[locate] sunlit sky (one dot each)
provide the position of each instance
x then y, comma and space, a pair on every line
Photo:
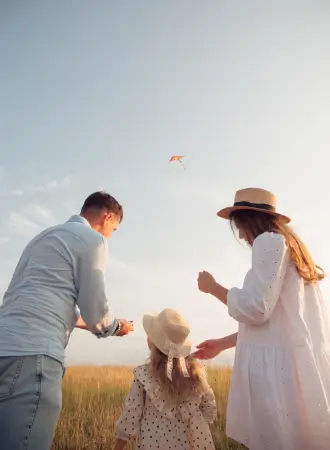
99, 95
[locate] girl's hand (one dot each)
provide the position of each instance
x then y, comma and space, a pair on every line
210, 349
206, 282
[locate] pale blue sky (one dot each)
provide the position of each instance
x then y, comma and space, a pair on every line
101, 95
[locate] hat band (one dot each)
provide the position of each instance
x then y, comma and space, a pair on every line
256, 205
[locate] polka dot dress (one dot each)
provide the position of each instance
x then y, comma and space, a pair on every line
148, 420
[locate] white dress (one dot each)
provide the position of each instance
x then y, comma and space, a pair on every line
280, 388
148, 420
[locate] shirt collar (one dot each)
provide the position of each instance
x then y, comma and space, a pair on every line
79, 219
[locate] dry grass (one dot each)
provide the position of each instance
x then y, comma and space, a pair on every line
92, 399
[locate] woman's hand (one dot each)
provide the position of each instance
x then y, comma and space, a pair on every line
206, 282
209, 349
213, 347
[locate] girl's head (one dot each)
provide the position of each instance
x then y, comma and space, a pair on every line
170, 361
254, 212
180, 387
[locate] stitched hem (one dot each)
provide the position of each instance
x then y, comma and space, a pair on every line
36, 402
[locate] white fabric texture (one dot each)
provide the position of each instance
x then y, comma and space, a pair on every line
152, 423
280, 388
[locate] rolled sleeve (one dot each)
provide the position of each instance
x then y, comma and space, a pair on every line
255, 302
92, 300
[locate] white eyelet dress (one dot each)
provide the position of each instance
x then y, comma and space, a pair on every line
152, 425
280, 388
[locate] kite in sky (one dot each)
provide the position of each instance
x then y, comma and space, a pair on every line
178, 158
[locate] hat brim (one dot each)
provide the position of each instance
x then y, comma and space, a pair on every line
150, 326
225, 212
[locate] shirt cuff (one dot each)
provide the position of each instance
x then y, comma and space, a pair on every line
108, 331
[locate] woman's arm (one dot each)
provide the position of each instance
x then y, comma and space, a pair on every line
213, 347
219, 292
255, 302
207, 284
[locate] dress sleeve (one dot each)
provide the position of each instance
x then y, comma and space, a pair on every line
208, 406
256, 301
128, 425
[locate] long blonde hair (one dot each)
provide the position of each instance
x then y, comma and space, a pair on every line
255, 223
180, 388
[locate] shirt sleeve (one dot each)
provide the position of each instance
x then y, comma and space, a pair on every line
208, 406
128, 425
256, 301
92, 300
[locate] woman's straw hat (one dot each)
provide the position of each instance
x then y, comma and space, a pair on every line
169, 332
253, 199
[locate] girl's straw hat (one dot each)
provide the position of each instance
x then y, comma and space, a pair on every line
168, 331
253, 199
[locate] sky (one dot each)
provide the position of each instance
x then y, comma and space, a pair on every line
100, 95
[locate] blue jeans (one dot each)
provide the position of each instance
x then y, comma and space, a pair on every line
30, 401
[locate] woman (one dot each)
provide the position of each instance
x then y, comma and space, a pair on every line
280, 389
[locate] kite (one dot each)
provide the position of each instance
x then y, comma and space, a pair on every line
178, 158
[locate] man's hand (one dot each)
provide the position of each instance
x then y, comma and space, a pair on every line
125, 327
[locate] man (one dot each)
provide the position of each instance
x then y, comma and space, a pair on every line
60, 272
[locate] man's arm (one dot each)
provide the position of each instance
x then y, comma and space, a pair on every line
92, 300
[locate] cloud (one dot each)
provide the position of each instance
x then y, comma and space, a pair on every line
3, 240
17, 192
33, 188
31, 220
50, 185
19, 222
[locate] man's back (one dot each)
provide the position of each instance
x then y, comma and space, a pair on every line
39, 307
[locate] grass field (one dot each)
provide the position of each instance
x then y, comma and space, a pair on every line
92, 399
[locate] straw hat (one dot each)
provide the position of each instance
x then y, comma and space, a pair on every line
253, 199
169, 332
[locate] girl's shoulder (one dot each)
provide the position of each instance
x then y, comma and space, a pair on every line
141, 373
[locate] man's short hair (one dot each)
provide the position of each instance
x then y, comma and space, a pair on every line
101, 200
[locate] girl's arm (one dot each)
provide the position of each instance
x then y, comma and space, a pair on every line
208, 406
128, 425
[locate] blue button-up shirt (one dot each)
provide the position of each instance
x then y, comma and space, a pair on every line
60, 272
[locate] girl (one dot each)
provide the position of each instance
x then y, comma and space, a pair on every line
170, 401
280, 389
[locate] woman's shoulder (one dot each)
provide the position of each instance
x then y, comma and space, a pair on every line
269, 241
